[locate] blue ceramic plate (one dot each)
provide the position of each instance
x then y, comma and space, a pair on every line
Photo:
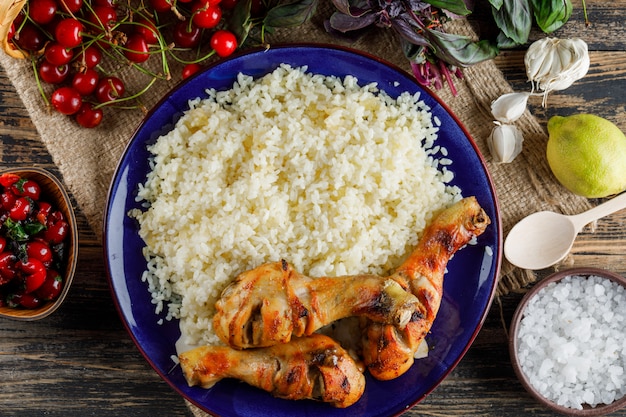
469, 283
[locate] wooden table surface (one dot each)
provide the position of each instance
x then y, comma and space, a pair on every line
81, 362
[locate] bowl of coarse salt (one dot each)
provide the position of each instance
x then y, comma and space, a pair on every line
567, 342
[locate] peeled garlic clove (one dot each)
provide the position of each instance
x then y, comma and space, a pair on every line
505, 143
509, 107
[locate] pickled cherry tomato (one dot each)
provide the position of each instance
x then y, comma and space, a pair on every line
35, 272
56, 231
51, 287
20, 209
39, 250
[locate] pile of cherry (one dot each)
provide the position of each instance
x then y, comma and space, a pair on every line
33, 239
68, 40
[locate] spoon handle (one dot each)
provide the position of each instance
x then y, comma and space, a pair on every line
604, 209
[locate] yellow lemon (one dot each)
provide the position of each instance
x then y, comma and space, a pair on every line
587, 154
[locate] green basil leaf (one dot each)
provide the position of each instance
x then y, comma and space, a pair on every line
291, 14
460, 50
19, 185
496, 4
550, 15
32, 228
240, 22
15, 231
505, 42
514, 19
455, 6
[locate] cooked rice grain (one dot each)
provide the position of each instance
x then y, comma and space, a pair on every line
331, 176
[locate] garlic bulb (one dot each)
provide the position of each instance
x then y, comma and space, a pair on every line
509, 107
554, 64
505, 143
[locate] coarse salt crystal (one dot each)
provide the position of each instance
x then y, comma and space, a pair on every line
571, 341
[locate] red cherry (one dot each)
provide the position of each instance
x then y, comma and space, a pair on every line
109, 89
89, 57
71, 6
66, 100
103, 17
223, 42
186, 36
206, 16
162, 5
89, 117
228, 4
30, 38
53, 74
148, 30
58, 54
190, 69
69, 32
42, 11
85, 82
136, 48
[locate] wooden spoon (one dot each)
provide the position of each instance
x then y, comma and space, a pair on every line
545, 238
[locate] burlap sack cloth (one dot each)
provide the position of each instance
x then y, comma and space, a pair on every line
87, 158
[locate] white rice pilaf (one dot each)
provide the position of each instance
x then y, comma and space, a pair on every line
333, 177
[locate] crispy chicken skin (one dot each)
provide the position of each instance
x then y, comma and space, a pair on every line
272, 303
314, 367
388, 351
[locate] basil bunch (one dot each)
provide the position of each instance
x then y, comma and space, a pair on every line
434, 54
514, 18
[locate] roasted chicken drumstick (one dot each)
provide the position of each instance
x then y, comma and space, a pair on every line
388, 351
314, 367
272, 303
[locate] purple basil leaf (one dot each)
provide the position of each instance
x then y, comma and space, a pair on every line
408, 33
354, 8
345, 23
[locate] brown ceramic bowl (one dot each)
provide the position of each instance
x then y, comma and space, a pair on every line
53, 191
587, 410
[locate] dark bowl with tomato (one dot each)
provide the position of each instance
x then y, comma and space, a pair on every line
38, 243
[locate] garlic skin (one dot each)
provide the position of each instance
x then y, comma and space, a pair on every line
504, 143
509, 107
554, 64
